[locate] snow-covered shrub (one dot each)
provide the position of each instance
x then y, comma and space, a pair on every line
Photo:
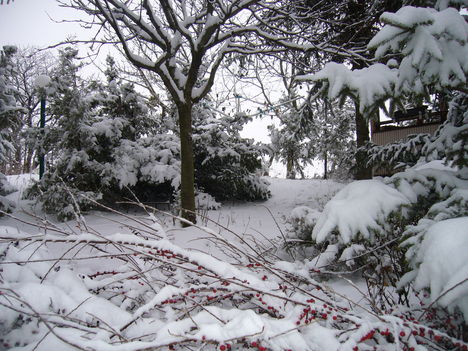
204, 201
439, 263
5, 189
302, 221
389, 220
56, 197
139, 291
226, 164
353, 216
147, 170
103, 151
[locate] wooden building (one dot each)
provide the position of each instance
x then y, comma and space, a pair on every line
413, 121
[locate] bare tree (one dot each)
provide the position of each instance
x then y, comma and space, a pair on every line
184, 42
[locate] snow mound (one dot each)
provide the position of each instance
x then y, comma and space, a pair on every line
444, 263
358, 209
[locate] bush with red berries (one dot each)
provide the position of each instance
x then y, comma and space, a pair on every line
139, 291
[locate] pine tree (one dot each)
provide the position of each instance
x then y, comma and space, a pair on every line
332, 137
8, 117
226, 164
290, 142
102, 144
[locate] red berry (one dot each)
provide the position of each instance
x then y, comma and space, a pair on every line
254, 344
402, 333
222, 348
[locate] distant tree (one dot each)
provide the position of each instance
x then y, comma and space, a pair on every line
332, 137
29, 64
226, 165
290, 141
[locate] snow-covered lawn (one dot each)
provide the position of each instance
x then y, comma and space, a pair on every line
259, 221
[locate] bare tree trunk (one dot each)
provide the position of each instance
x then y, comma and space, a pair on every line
187, 177
362, 136
290, 172
27, 165
325, 165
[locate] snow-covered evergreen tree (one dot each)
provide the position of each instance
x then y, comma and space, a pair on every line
403, 227
99, 146
8, 117
290, 142
226, 165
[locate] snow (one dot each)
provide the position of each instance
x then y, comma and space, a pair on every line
152, 306
42, 81
358, 210
444, 263
369, 85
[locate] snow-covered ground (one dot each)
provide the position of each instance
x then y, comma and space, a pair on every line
260, 222
154, 284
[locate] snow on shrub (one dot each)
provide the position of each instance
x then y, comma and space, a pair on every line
441, 264
139, 291
359, 210
205, 201
149, 167
5, 188
302, 220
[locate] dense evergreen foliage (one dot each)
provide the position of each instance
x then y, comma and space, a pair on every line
9, 112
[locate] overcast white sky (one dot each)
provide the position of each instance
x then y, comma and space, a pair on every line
29, 23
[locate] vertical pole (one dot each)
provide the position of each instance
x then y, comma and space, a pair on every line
42, 126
